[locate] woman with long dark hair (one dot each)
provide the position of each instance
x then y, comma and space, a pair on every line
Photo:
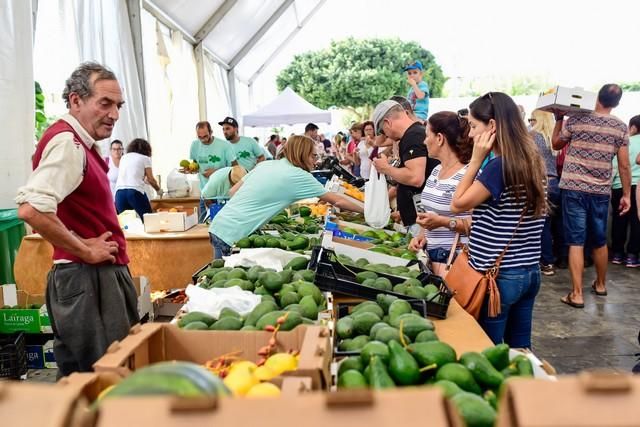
509, 207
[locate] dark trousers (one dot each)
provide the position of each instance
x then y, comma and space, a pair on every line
89, 307
129, 198
624, 226
552, 230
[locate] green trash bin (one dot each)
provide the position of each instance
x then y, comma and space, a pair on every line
11, 233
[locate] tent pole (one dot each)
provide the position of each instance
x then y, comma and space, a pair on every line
134, 7
202, 89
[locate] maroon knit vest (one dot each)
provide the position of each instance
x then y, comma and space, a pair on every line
89, 210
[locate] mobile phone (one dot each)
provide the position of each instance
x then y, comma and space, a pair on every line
417, 203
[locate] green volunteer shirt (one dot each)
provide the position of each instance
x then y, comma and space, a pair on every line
218, 154
219, 185
247, 152
634, 150
266, 190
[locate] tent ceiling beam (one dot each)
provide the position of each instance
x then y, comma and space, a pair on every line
290, 37
214, 20
260, 33
168, 21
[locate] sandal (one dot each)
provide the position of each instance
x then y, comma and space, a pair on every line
596, 291
567, 300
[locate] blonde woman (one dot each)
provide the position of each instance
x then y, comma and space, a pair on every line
268, 189
542, 124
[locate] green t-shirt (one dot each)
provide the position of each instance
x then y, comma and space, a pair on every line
266, 190
218, 154
247, 152
218, 186
634, 150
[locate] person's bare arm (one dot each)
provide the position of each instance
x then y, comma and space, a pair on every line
470, 193
557, 140
261, 158
411, 174
340, 202
151, 180
92, 251
624, 170
235, 188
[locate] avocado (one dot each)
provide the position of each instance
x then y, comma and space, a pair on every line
306, 275
352, 362
388, 334
196, 326
309, 307
482, 370
383, 284
233, 282
374, 348
248, 328
412, 325
376, 327
412, 282
403, 368
260, 310
416, 292
356, 343
384, 301
432, 352
498, 356
259, 242
369, 306
238, 273
272, 282
369, 282
306, 288
286, 276
474, 410
228, 312
344, 327
431, 289
351, 379
378, 376
426, 336
345, 344
195, 316
289, 298
398, 308
220, 275
298, 263
217, 263
491, 398
524, 366
459, 374
293, 319
362, 262
243, 243
401, 288
363, 321
449, 388
363, 275
227, 324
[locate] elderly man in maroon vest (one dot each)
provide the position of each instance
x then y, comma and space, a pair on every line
90, 297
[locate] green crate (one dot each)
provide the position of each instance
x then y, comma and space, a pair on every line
11, 233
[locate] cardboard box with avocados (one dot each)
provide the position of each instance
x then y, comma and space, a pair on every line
29, 316
398, 407
155, 342
588, 399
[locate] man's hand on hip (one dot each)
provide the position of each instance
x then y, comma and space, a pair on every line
100, 249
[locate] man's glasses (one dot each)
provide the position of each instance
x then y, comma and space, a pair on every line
117, 149
531, 121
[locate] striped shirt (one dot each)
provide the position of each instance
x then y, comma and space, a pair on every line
494, 222
436, 197
594, 139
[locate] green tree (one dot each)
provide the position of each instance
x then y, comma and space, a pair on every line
630, 86
357, 74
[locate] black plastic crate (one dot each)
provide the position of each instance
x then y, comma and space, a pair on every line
343, 309
13, 355
194, 277
337, 278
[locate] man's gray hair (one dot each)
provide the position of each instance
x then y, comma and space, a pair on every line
80, 80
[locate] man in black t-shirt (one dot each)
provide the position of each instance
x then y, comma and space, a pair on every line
390, 119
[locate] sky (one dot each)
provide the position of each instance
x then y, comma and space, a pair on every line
568, 42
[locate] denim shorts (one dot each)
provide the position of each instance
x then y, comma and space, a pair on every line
585, 214
438, 254
220, 247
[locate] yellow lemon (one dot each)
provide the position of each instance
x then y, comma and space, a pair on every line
243, 364
263, 390
240, 381
264, 374
281, 362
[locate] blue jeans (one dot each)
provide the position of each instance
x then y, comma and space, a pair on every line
202, 212
518, 289
585, 214
128, 198
220, 248
553, 198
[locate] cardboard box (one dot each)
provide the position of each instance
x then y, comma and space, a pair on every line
588, 399
31, 404
170, 221
157, 342
143, 289
39, 348
399, 407
32, 321
567, 99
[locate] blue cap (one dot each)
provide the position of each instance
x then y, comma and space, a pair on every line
417, 65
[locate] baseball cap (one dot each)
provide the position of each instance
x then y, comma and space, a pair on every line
416, 65
236, 174
229, 121
380, 111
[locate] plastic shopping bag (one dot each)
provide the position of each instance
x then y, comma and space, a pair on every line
212, 301
177, 184
376, 200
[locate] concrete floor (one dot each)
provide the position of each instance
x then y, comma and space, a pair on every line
602, 335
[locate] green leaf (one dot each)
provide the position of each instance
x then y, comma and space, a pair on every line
40, 118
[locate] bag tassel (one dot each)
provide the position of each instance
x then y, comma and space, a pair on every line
494, 308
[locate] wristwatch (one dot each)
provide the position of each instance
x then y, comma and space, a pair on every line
452, 224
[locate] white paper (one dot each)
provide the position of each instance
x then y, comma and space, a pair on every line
212, 301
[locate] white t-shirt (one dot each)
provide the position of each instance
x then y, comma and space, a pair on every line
112, 175
365, 163
132, 172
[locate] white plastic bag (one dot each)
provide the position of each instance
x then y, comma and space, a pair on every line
212, 301
376, 200
265, 257
177, 184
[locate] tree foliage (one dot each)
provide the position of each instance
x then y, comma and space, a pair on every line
630, 86
357, 74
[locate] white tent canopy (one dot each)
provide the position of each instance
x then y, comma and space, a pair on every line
288, 108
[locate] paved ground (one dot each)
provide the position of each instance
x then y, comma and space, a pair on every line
602, 335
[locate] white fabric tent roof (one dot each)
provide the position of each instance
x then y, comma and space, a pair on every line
288, 108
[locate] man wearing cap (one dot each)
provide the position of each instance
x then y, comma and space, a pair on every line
221, 182
247, 150
418, 94
390, 119
212, 154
